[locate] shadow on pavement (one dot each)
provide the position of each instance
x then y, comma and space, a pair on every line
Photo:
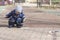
3, 25
42, 22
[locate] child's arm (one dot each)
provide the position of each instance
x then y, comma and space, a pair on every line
10, 14
23, 17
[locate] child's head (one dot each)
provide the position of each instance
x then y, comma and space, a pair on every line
18, 9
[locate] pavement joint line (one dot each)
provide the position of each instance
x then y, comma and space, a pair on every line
41, 34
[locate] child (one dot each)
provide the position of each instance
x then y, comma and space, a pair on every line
16, 17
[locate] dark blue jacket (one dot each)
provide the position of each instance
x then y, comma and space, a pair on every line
14, 15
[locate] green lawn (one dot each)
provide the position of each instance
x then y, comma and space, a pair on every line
55, 0
2, 8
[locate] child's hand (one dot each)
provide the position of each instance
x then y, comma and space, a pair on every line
25, 19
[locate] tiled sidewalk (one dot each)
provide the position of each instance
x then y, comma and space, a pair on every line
26, 33
40, 30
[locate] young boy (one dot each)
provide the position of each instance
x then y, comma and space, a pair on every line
16, 17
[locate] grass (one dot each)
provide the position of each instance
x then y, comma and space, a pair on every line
55, 0
2, 8
51, 7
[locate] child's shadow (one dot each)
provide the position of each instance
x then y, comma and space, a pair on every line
3, 25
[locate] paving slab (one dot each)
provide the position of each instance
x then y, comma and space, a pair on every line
38, 26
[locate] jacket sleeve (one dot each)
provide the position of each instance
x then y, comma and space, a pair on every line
9, 14
22, 15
